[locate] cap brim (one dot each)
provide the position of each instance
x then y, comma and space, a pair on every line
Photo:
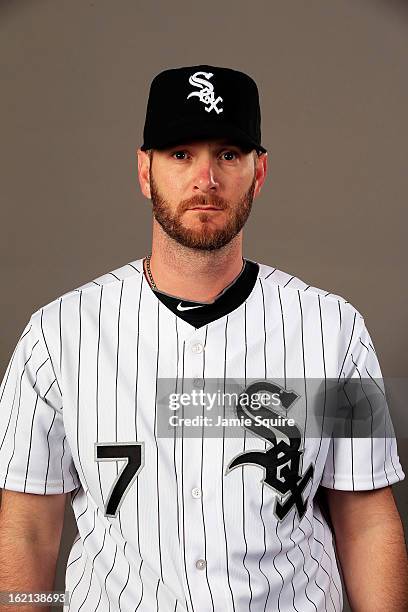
185, 132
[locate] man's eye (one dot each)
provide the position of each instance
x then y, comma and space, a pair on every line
182, 154
229, 153
179, 153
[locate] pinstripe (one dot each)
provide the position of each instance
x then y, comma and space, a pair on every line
60, 366
60, 332
62, 457
333, 440
175, 434
98, 346
80, 579
371, 424
74, 560
78, 382
136, 438
83, 512
157, 599
278, 553
127, 580
49, 453
100, 597
18, 412
324, 375
372, 348
280, 541
306, 409
266, 445
243, 470
292, 577
92, 568
323, 551
303, 566
270, 274
324, 408
330, 561
117, 369
303, 363
116, 407
365, 346
31, 428
223, 466
351, 433
283, 336
386, 415
157, 447
175, 430
312, 556
47, 349
99, 600
93, 527
348, 348
182, 486
108, 574
74, 494
201, 479
29, 447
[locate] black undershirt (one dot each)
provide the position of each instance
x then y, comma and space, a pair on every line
229, 299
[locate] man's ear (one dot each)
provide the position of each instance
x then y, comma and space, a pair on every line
261, 168
143, 168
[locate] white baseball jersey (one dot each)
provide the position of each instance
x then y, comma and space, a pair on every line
186, 523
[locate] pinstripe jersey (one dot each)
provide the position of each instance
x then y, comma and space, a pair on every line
78, 410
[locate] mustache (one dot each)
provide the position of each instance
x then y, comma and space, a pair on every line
213, 200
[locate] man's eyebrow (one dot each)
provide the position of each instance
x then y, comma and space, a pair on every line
222, 144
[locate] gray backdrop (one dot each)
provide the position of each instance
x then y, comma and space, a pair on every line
332, 77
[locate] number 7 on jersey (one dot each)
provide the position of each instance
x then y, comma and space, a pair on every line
133, 453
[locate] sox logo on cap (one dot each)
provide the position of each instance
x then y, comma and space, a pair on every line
206, 93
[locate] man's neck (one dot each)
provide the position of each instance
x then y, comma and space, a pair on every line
193, 274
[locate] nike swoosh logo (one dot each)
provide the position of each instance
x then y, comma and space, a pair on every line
180, 307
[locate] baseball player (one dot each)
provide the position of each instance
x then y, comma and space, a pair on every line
219, 516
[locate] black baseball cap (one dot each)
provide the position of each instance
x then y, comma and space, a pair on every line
202, 102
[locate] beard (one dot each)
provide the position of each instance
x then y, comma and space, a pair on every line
205, 237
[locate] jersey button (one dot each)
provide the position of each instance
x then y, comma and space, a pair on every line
201, 563
197, 382
197, 348
196, 492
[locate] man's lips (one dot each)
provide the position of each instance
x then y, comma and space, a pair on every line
204, 208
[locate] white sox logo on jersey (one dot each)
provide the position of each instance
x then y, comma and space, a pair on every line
281, 462
206, 92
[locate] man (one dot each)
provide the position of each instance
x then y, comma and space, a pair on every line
197, 520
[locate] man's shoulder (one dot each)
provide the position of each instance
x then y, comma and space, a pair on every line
291, 283
117, 275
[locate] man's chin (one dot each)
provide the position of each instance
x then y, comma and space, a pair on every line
203, 241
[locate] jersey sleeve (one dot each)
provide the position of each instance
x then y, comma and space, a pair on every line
34, 453
364, 456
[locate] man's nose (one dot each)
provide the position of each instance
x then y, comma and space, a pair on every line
206, 180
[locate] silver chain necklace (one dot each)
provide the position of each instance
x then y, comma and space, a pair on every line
149, 272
